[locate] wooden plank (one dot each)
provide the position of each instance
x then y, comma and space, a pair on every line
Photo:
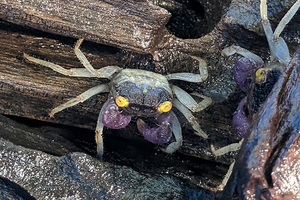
133, 25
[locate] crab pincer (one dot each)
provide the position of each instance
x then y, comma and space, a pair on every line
157, 135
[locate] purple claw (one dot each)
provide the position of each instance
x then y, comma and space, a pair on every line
243, 68
113, 117
157, 135
240, 122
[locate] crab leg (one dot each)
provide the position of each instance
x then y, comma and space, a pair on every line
99, 130
81, 98
176, 129
244, 52
89, 67
189, 116
286, 19
278, 47
187, 100
76, 72
226, 149
226, 177
190, 77
104, 72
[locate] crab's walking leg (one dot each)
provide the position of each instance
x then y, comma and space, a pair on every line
189, 116
187, 100
99, 131
278, 48
226, 149
176, 129
104, 72
79, 72
87, 64
286, 19
244, 52
81, 98
226, 177
190, 77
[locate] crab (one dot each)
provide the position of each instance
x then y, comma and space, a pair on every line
140, 93
251, 65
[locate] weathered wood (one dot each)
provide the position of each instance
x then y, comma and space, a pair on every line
31, 91
133, 25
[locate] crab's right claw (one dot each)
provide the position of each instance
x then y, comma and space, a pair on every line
240, 122
113, 118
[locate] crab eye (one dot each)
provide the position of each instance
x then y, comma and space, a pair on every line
260, 74
122, 101
165, 106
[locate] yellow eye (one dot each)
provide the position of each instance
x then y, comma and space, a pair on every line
122, 101
260, 75
165, 106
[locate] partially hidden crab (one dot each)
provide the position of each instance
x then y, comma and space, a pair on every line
134, 92
253, 76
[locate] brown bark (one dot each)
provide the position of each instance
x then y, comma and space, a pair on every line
133, 25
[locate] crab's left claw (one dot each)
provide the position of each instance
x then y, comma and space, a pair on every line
156, 135
167, 123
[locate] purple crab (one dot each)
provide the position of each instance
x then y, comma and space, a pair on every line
134, 92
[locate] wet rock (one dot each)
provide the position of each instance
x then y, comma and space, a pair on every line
43, 166
80, 176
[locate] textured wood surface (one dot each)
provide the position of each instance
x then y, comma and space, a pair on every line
130, 24
30, 90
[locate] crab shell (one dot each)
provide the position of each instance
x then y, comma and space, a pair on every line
144, 90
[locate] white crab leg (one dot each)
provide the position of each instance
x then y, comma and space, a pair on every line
286, 19
189, 116
81, 98
244, 52
226, 177
99, 131
226, 149
278, 48
76, 72
187, 100
176, 129
190, 77
105, 73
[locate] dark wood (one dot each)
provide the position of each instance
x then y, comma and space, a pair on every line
130, 24
30, 90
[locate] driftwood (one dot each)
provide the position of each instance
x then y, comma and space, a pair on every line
133, 25
137, 26
29, 90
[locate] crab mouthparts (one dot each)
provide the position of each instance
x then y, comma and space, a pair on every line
141, 110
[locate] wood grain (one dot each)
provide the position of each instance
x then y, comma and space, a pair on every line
133, 25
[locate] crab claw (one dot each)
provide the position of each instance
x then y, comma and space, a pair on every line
240, 122
113, 118
157, 135
244, 68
